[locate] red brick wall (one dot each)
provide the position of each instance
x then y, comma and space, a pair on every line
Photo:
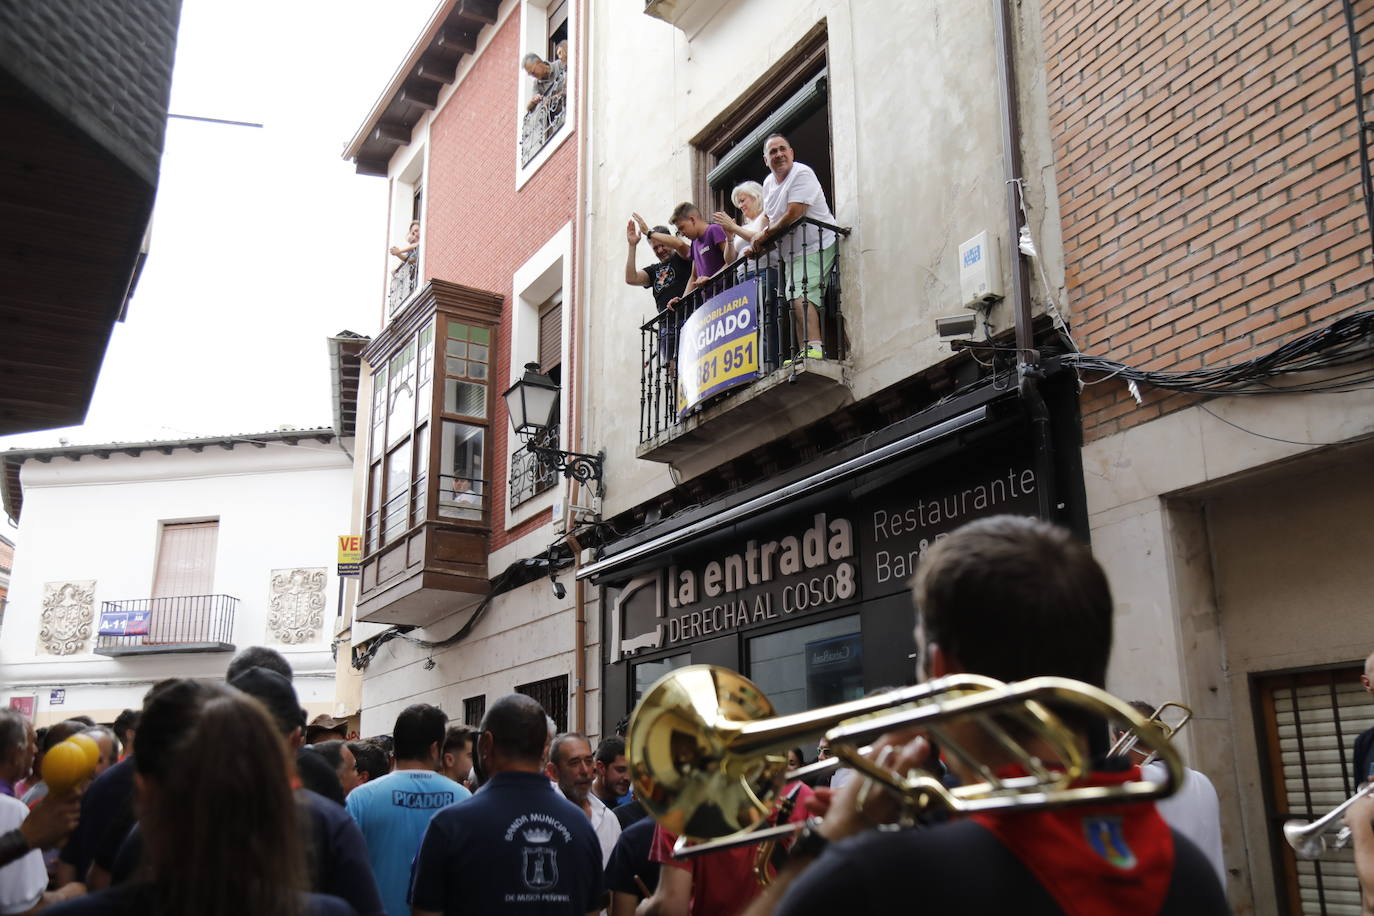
1208, 166
479, 229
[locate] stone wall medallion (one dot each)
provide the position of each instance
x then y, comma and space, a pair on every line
296, 612
68, 612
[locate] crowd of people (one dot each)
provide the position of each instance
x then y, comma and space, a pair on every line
696, 250
221, 807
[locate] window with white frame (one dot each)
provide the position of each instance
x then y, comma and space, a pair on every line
407, 213
539, 334
544, 77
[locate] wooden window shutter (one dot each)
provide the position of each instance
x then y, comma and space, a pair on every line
186, 559
551, 335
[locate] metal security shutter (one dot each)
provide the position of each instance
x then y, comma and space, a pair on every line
1311, 720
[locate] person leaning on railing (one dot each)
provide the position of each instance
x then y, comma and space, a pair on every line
792, 192
409, 251
748, 196
548, 78
709, 245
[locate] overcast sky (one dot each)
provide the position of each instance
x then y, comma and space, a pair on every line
265, 241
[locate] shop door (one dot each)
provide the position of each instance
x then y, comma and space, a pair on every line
1309, 722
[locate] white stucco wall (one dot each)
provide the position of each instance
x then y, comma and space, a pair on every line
915, 129
278, 507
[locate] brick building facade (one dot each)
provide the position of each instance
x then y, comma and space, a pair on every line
1210, 184
491, 177
1207, 159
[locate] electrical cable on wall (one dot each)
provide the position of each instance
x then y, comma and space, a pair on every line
1345, 342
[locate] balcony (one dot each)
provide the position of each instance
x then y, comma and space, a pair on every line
154, 626
542, 122
528, 476
403, 282
690, 16
428, 514
766, 382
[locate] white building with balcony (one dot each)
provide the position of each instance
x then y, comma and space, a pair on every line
150, 560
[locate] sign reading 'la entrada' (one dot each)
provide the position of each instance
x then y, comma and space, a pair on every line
834, 556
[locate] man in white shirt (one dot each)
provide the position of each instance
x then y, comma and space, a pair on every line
572, 768
792, 192
1193, 810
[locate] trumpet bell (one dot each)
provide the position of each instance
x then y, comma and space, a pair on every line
1306, 843
678, 748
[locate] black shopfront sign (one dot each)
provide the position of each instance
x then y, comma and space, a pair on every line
852, 549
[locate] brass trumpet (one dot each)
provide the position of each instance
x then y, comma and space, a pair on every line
706, 750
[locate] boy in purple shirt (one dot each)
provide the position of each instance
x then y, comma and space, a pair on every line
710, 244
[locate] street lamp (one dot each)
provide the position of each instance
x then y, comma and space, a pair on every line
532, 403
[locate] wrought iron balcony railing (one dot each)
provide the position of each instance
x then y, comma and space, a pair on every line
528, 476
403, 281
188, 623
796, 280
542, 122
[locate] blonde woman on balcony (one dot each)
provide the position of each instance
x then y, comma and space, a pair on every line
748, 196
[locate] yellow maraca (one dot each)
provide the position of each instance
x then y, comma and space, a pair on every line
67, 764
88, 745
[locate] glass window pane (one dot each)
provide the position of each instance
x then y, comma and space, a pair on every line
419, 487
477, 370
426, 354
458, 331
457, 348
465, 398
456, 366
480, 335
809, 666
374, 504
476, 351
394, 510
648, 673
461, 485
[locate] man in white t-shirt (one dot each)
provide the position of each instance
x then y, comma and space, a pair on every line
792, 192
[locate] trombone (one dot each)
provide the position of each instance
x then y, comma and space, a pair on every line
1127, 742
1309, 839
707, 751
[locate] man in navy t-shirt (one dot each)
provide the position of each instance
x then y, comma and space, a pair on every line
516, 846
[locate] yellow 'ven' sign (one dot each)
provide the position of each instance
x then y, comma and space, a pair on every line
350, 548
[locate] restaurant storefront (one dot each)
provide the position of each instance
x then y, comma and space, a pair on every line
802, 582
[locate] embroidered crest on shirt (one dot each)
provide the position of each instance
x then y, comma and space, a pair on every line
1105, 836
539, 866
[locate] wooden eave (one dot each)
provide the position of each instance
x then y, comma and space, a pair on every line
12, 491
431, 64
72, 222
453, 299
